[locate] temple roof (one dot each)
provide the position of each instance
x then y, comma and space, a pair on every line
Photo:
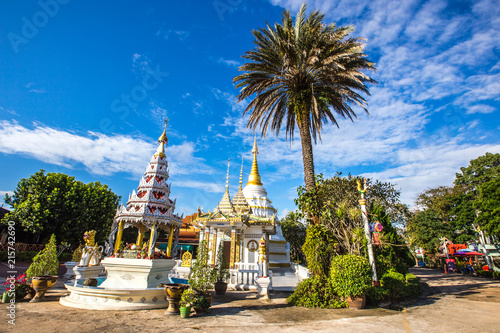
250, 206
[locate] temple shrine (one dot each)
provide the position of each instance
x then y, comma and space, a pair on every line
135, 275
249, 229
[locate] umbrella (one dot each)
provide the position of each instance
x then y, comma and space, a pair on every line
469, 254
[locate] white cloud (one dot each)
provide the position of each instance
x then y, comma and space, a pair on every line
99, 153
229, 62
3, 193
480, 108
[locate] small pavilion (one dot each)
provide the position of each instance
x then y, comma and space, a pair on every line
244, 224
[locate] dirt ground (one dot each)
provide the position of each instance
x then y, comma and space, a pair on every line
451, 303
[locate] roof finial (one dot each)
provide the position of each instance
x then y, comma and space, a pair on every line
254, 177
162, 141
241, 173
227, 176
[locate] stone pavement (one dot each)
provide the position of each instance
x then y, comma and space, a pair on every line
451, 303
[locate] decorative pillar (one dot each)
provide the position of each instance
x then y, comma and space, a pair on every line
207, 238
152, 241
140, 237
170, 238
213, 247
119, 235
364, 213
238, 247
233, 247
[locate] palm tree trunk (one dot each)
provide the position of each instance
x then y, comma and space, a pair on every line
307, 152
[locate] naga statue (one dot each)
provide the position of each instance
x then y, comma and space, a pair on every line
91, 253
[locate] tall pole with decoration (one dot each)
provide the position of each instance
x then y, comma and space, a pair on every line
364, 213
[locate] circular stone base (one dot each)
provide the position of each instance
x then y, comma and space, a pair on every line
96, 298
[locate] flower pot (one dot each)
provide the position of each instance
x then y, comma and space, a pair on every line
41, 284
220, 288
185, 311
356, 303
6, 297
173, 292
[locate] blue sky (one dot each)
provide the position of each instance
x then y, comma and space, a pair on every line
85, 86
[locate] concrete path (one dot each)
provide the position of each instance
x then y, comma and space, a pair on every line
451, 303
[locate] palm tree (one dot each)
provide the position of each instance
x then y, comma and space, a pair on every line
304, 74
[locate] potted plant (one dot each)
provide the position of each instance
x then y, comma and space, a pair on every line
43, 270
187, 300
202, 275
221, 272
201, 304
350, 277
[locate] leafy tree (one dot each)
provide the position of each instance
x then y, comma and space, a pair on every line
304, 73
294, 232
487, 203
335, 202
426, 227
319, 248
55, 203
393, 252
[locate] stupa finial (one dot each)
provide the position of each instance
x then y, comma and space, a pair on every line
227, 176
241, 173
162, 141
254, 177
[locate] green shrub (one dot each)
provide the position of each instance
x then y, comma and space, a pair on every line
483, 273
376, 295
395, 284
318, 248
350, 275
45, 262
413, 287
316, 292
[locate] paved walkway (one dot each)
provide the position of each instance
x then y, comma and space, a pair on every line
451, 303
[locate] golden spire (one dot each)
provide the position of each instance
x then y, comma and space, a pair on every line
254, 177
162, 141
241, 174
227, 177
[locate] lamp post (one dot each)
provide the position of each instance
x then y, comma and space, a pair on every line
371, 257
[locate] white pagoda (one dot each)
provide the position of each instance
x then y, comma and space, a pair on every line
150, 207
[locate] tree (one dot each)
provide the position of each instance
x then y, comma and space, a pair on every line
55, 203
335, 201
303, 74
487, 203
426, 228
294, 232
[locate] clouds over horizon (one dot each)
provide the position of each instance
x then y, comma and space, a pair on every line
101, 154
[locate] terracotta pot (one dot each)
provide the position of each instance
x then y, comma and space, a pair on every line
41, 284
357, 303
220, 288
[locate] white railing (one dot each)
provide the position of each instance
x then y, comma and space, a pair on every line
244, 276
300, 270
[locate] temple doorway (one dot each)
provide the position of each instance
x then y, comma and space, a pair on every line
227, 252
